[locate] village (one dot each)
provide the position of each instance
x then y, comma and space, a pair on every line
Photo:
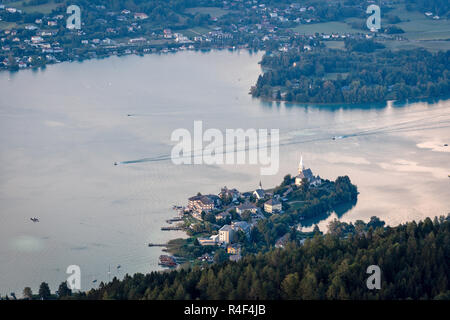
46, 40
233, 215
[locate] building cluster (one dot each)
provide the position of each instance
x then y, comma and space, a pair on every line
124, 32
242, 211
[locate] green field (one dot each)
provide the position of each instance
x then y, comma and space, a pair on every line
7, 25
212, 11
325, 27
194, 32
419, 27
335, 44
295, 205
44, 8
429, 45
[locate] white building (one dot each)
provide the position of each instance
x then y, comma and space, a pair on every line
306, 174
226, 234
272, 206
259, 193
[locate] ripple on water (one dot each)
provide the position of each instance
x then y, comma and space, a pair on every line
26, 243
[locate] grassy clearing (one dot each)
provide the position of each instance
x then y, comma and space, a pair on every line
419, 27
44, 8
325, 27
194, 32
212, 11
335, 44
295, 205
433, 46
7, 25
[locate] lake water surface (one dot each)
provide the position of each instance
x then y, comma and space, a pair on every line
62, 129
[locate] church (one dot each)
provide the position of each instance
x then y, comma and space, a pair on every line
306, 174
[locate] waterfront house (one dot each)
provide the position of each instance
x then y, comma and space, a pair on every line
272, 206
203, 203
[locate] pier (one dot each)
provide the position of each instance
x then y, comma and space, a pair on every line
171, 228
157, 244
176, 219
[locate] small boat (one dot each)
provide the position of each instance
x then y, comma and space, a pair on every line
167, 261
94, 281
34, 219
446, 145
115, 163
119, 266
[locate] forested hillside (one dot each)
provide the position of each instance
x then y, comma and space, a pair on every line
414, 259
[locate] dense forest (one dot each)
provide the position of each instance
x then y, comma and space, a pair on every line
362, 73
414, 259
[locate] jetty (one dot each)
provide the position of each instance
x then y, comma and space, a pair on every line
157, 244
171, 228
176, 219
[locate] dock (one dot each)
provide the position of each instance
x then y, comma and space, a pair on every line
157, 244
171, 228
176, 219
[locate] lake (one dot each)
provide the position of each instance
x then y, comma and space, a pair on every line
62, 129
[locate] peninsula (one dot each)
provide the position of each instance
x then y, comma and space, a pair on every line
232, 224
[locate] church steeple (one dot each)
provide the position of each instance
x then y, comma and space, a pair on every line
260, 185
300, 165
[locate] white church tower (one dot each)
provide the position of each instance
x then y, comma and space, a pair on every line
300, 165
